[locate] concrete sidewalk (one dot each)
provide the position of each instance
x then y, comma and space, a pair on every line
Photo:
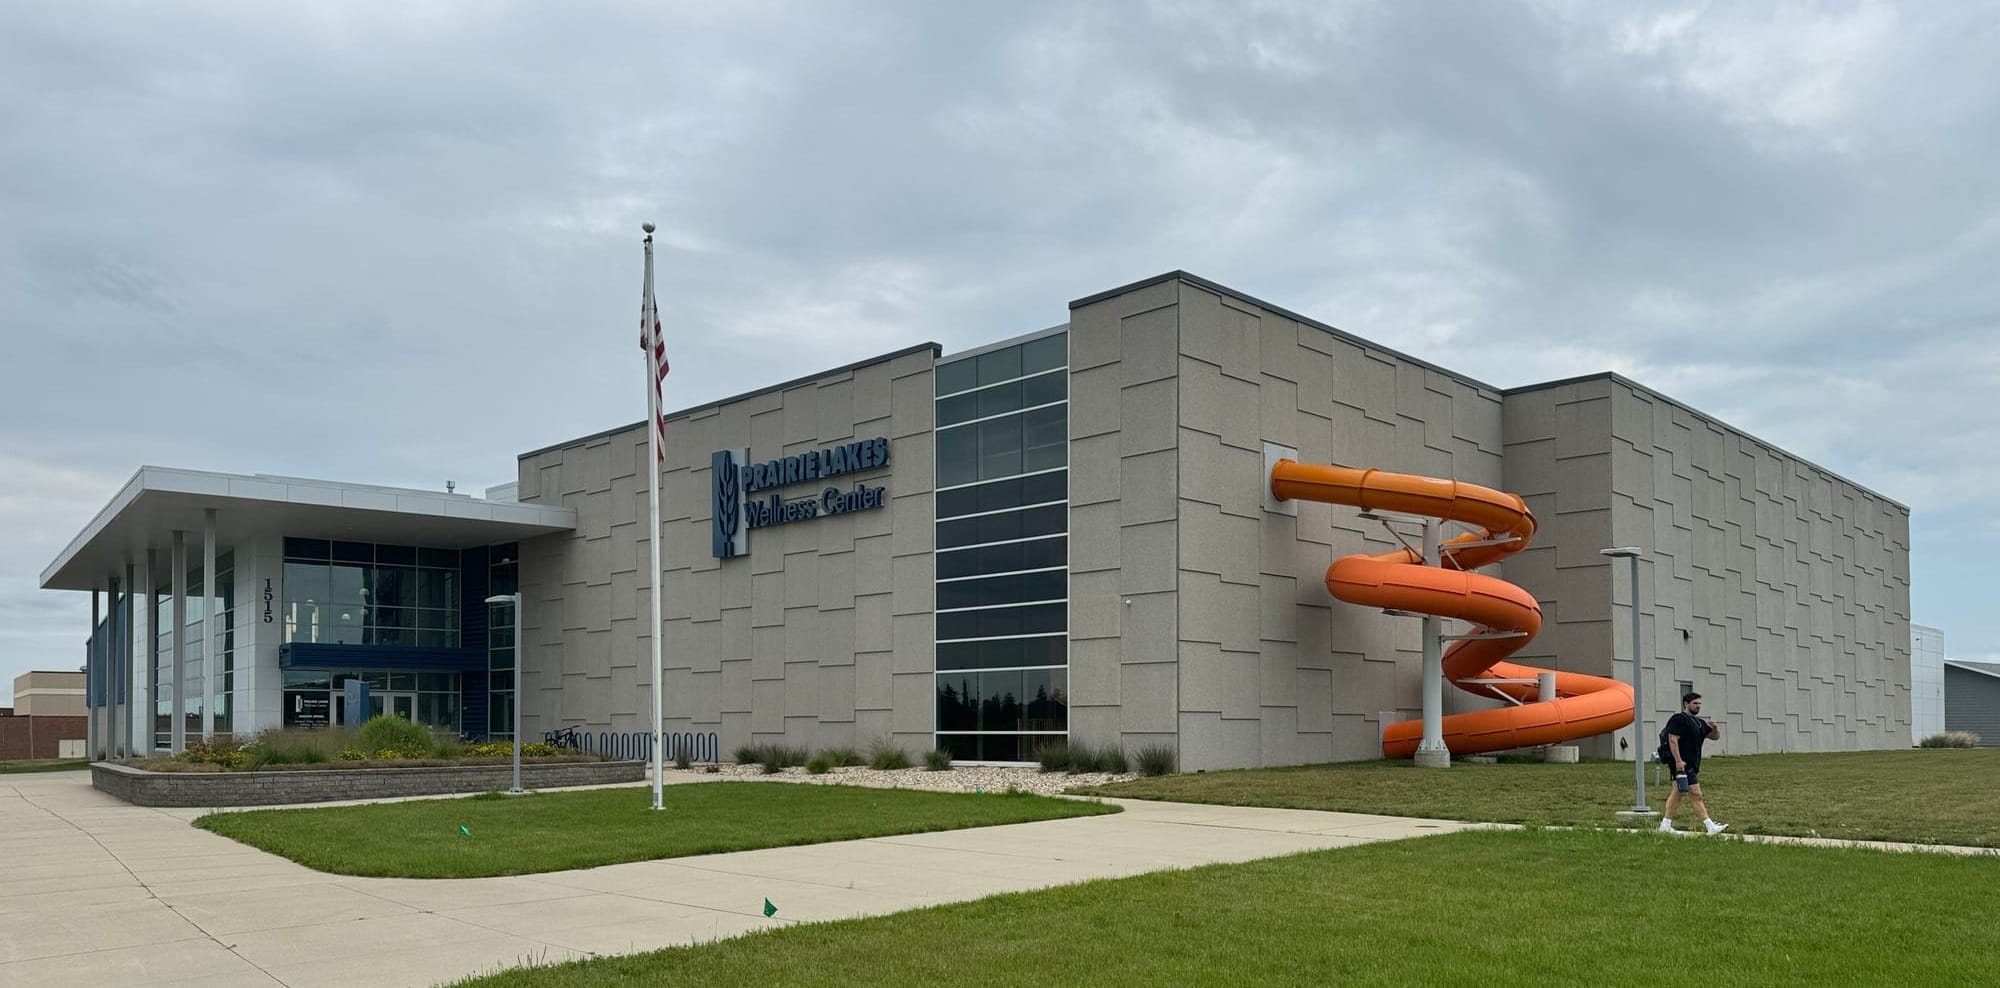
95, 891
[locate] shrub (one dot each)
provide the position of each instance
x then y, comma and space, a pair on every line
819, 764
1055, 756
539, 749
386, 733
886, 756
843, 757
1156, 759
749, 754
350, 755
937, 760
1951, 739
681, 759
222, 751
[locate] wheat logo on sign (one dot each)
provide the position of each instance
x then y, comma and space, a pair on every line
726, 533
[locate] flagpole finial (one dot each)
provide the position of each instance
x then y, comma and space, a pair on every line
647, 226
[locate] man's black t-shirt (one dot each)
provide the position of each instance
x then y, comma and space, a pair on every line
1692, 733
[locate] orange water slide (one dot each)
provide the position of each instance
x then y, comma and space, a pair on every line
1399, 580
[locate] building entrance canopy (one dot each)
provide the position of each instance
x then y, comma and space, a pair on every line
159, 501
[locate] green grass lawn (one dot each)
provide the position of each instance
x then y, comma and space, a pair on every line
1939, 796
518, 835
43, 765
1479, 908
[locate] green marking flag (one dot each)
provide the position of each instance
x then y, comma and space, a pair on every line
769, 910
464, 831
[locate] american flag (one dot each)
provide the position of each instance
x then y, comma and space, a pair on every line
654, 343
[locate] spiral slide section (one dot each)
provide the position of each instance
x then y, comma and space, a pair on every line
1399, 580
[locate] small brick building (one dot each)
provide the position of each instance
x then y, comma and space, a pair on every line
48, 710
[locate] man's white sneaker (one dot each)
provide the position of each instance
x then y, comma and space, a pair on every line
1715, 828
1667, 827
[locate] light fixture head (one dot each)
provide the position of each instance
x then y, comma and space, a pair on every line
1623, 550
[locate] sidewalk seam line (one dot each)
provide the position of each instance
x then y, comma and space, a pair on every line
155, 896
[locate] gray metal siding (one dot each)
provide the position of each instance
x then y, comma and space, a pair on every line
1972, 703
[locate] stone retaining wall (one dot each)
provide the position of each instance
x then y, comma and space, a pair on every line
143, 788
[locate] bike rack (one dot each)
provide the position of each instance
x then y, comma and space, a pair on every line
637, 746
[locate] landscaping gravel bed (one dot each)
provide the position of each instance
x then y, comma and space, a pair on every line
958, 778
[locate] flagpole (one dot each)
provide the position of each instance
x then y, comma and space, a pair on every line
651, 313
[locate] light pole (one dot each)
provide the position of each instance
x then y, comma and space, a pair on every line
514, 599
1632, 552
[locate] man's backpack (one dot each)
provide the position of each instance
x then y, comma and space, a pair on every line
1665, 753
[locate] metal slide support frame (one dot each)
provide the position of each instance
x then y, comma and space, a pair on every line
1431, 751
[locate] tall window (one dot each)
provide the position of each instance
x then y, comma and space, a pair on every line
194, 665
360, 593
504, 577
1003, 550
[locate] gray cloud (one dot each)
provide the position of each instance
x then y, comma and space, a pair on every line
351, 241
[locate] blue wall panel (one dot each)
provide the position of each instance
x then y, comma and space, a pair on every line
473, 578
398, 658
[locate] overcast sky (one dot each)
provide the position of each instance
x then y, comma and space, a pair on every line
398, 243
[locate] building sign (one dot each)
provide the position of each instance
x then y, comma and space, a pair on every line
740, 503
308, 709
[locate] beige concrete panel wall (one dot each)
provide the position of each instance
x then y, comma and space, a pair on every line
53, 694
1274, 671
1779, 590
1123, 646
811, 639
1559, 460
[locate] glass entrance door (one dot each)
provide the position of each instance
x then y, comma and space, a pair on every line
402, 705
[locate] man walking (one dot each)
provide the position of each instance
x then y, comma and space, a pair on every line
1680, 747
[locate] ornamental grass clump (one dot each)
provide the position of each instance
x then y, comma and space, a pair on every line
773, 758
843, 757
1111, 758
1951, 739
886, 756
297, 748
1056, 756
1155, 759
